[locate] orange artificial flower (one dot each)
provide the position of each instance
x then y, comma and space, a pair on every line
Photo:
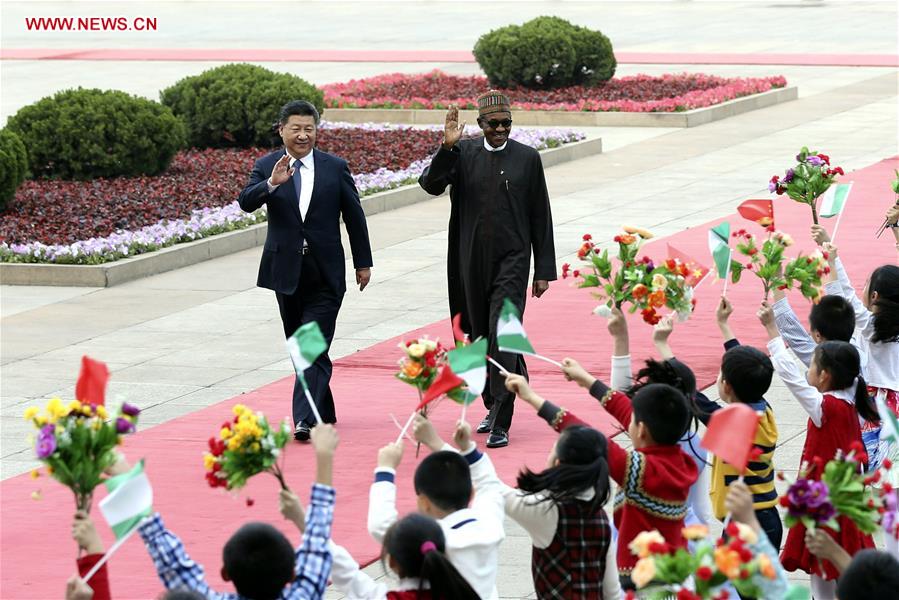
646, 235
728, 562
657, 299
639, 291
766, 568
695, 532
411, 369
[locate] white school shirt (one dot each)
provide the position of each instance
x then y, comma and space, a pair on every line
882, 368
307, 176
358, 585
473, 534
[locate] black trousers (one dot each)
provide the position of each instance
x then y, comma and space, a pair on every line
313, 300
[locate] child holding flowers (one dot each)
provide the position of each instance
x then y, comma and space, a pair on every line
258, 559
835, 397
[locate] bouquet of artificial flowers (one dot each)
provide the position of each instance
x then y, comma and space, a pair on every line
666, 572
807, 180
246, 446
767, 263
77, 443
647, 287
420, 361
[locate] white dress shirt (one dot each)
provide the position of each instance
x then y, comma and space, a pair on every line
357, 584
307, 176
473, 535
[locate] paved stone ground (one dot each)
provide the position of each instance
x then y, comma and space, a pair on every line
665, 179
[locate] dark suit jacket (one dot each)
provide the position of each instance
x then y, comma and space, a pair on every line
334, 194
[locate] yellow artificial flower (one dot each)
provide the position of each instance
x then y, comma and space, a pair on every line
646, 235
40, 420
36, 495
416, 350
640, 544
255, 447
239, 409
31, 412
74, 405
695, 532
59, 430
101, 412
233, 444
659, 282
643, 572
35, 473
208, 461
225, 433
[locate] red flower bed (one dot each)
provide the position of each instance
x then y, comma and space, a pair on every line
639, 93
62, 212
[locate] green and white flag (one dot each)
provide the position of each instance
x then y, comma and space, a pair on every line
834, 200
469, 363
306, 345
510, 334
889, 422
130, 500
719, 245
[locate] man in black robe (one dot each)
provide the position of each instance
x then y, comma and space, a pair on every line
500, 211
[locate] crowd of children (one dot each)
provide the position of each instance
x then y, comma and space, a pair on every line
450, 548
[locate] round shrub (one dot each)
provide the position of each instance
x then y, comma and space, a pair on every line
89, 133
544, 53
235, 105
13, 165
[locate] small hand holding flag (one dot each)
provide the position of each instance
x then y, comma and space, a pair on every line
305, 346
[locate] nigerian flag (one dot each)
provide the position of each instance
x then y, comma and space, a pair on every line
305, 345
469, 363
130, 500
719, 239
834, 200
888, 420
510, 334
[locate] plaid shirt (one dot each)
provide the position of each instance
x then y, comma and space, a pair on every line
177, 570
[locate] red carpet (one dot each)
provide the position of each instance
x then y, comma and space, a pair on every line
434, 56
38, 555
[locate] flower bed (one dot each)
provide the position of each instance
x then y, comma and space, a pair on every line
638, 93
92, 222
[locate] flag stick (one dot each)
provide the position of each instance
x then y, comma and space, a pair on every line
464, 406
318, 417
549, 360
400, 427
730, 255
112, 550
502, 369
836, 226
405, 427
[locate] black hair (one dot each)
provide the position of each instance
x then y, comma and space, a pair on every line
583, 464
871, 574
885, 281
665, 411
749, 372
444, 478
833, 317
842, 361
418, 547
298, 107
677, 375
182, 594
259, 560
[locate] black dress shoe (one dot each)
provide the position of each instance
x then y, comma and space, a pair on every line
499, 438
301, 433
484, 426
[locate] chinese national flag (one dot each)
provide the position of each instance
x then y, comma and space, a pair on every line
445, 381
758, 211
697, 271
731, 433
91, 386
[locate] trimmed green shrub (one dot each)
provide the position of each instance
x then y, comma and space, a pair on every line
89, 133
13, 165
546, 52
235, 105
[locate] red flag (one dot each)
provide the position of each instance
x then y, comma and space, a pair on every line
697, 271
91, 386
445, 381
459, 335
730, 434
758, 211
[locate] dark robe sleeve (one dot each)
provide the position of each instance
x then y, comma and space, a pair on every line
441, 172
541, 225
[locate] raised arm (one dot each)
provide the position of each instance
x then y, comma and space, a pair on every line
442, 171
791, 329
621, 357
382, 511
175, 568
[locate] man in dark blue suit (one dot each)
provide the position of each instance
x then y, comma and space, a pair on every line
306, 192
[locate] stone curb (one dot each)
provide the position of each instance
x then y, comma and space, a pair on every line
190, 253
690, 118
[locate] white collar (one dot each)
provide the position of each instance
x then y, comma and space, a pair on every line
490, 148
411, 583
846, 395
307, 161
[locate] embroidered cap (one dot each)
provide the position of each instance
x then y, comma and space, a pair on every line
492, 101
